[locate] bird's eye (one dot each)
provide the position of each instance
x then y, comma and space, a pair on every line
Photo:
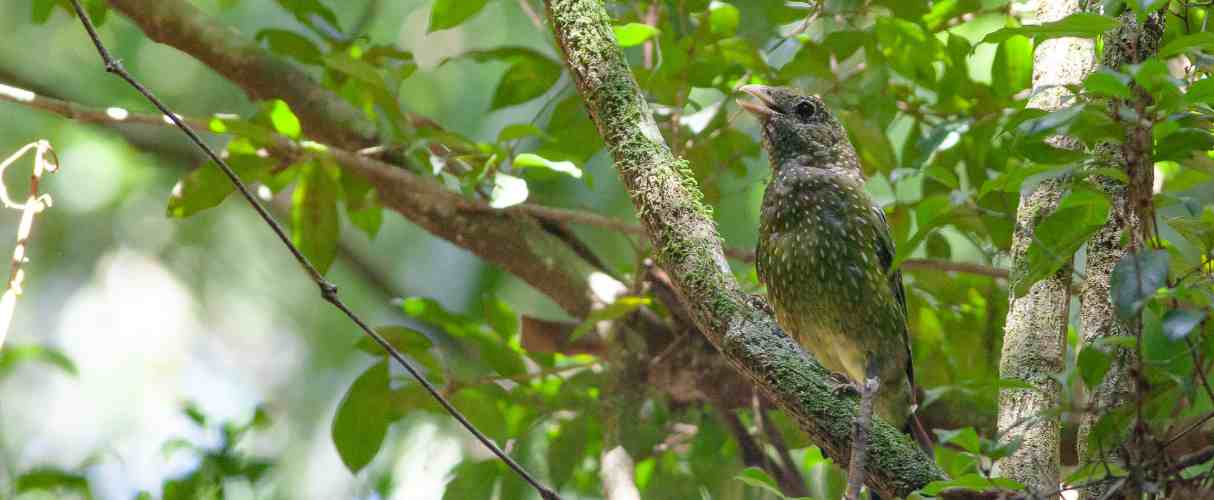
806, 110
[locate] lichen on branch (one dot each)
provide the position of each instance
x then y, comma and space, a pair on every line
678, 222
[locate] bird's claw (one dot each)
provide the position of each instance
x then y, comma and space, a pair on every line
841, 385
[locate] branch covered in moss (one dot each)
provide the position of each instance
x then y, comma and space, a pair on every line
689, 249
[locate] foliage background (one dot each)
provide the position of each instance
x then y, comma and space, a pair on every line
157, 314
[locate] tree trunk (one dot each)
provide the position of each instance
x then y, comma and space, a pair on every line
1035, 334
1131, 43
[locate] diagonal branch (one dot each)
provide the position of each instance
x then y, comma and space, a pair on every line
513, 240
689, 249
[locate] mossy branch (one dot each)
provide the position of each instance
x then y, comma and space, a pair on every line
689, 249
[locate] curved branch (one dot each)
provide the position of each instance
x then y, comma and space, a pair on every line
689, 249
516, 242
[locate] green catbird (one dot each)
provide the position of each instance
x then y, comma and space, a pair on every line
825, 251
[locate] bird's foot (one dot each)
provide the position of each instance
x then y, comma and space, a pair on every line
841, 385
760, 302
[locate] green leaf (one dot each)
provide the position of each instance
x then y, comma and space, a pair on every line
12, 354
531, 160
285, 122
1135, 279
633, 34
1012, 69
315, 225
195, 414
756, 477
1093, 365
447, 14
430, 311
567, 450
504, 359
1108, 83
1196, 41
1080, 25
972, 481
508, 191
303, 10
525, 80
291, 44
618, 309
403, 338
368, 219
53, 480
966, 438
1179, 323
522, 130
502, 318
723, 18
1201, 91
481, 405
207, 186
363, 417
1059, 235
473, 480
40, 10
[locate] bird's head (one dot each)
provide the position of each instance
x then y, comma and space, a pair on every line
797, 127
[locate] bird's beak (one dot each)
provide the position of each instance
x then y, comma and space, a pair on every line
764, 106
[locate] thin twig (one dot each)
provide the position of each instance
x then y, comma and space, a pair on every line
328, 290
33, 205
862, 428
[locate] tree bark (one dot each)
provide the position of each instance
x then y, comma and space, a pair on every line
1034, 341
689, 249
1130, 43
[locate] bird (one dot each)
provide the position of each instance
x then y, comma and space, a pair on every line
825, 252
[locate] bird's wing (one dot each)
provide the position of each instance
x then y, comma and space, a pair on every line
885, 255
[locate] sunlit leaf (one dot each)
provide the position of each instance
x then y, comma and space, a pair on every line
531, 160
508, 191
207, 186
723, 18
285, 122
1012, 69
315, 225
632, 34
13, 354
1080, 25
446, 14
618, 309
52, 480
